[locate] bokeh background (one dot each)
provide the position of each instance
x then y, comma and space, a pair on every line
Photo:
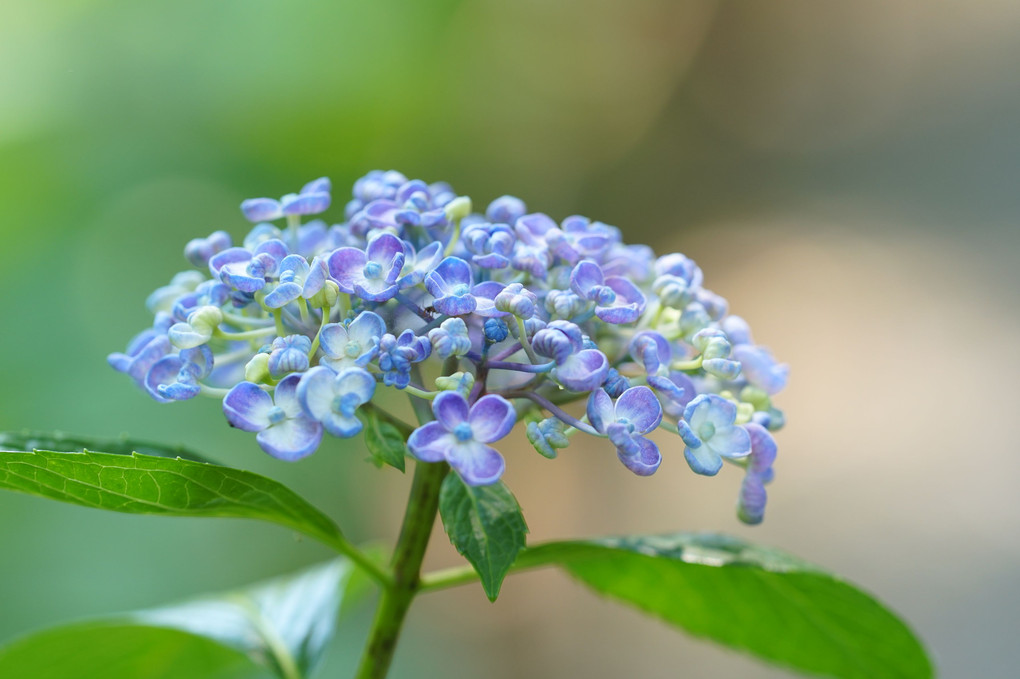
845, 173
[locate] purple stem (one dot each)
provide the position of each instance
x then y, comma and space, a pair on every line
521, 367
554, 410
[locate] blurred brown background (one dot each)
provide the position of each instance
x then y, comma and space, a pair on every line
845, 173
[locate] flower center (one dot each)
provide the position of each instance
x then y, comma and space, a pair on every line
463, 432
706, 431
276, 415
373, 270
604, 295
460, 290
352, 350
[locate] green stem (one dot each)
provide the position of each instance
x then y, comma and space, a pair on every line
419, 517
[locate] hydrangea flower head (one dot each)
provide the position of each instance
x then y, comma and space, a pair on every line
490, 318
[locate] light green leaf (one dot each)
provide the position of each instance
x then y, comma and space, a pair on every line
757, 600
117, 651
284, 623
383, 440
277, 628
144, 484
485, 524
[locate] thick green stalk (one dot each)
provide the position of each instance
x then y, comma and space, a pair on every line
419, 517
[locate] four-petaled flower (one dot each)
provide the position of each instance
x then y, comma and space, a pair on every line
709, 432
616, 299
298, 278
371, 274
332, 398
461, 433
284, 430
624, 423
352, 344
577, 368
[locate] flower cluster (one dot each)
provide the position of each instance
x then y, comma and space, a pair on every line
495, 317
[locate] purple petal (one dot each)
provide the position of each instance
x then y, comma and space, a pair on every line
430, 442
320, 185
247, 407
282, 295
492, 417
536, 224
760, 368
640, 406
261, 209
454, 271
347, 266
285, 395
456, 306
751, 501
644, 460
385, 248
763, 449
450, 408
291, 439
306, 203
163, 372
585, 276
601, 411
583, 371
477, 463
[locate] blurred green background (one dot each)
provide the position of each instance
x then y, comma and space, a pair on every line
845, 173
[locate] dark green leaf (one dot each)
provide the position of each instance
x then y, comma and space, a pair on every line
757, 600
383, 440
284, 623
143, 484
485, 524
118, 651
27, 441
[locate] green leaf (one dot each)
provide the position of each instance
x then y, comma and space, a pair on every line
485, 524
143, 484
27, 440
383, 440
276, 628
284, 623
757, 600
117, 651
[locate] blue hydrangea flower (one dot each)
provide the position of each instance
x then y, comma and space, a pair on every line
176, 377
417, 264
715, 350
516, 300
490, 245
199, 250
313, 199
333, 398
461, 433
752, 498
283, 429
246, 270
579, 238
289, 355
144, 350
577, 368
371, 274
450, 338
397, 354
709, 432
505, 210
375, 185
616, 299
353, 344
298, 278
624, 423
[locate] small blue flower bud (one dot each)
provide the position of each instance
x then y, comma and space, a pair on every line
496, 330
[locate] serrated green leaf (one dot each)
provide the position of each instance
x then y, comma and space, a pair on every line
485, 524
26, 440
384, 441
144, 484
757, 600
284, 623
98, 650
